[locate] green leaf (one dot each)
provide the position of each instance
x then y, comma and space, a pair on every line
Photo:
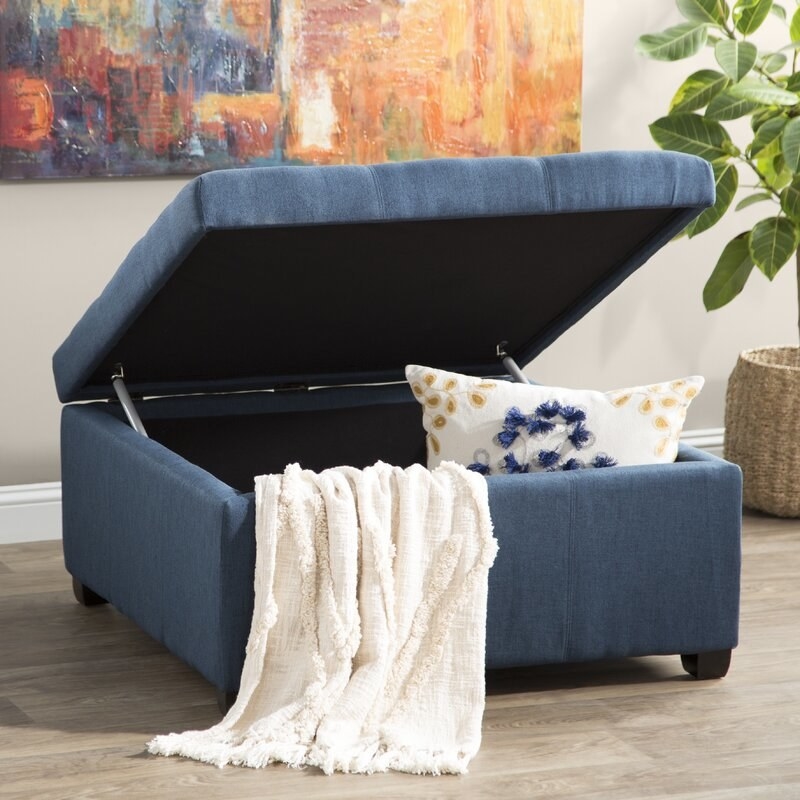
776, 176
752, 199
675, 43
766, 94
713, 12
794, 26
790, 141
779, 12
726, 177
790, 201
698, 90
793, 83
774, 62
690, 133
730, 275
736, 58
772, 243
766, 114
748, 15
727, 105
768, 135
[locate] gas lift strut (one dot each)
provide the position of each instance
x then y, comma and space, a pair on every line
512, 368
118, 382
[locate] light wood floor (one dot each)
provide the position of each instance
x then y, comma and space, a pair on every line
81, 690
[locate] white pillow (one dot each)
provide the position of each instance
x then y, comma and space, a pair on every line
498, 427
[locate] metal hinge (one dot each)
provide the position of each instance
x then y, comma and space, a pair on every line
118, 382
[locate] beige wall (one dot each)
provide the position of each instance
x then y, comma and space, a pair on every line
62, 241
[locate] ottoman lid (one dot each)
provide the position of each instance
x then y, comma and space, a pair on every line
261, 278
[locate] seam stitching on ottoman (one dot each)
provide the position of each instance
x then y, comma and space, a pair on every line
569, 578
378, 191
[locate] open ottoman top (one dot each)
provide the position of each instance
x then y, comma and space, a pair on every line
258, 278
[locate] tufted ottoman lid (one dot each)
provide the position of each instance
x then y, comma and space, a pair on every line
262, 278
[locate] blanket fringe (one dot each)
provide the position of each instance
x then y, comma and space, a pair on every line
257, 754
376, 759
250, 752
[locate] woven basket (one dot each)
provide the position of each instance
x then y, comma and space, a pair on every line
762, 428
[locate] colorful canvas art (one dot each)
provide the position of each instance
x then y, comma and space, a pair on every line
146, 87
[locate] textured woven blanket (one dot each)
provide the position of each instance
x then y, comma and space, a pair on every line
367, 645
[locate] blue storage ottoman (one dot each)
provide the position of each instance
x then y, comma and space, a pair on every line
267, 317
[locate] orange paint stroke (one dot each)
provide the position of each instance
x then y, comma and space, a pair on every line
27, 111
250, 120
436, 78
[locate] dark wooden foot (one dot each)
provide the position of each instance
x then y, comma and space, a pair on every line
225, 700
706, 666
85, 596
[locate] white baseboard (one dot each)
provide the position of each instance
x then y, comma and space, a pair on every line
30, 513
708, 439
33, 512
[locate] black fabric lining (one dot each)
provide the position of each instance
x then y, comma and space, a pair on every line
605, 285
364, 299
238, 447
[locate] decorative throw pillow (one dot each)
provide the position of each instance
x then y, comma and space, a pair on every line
497, 427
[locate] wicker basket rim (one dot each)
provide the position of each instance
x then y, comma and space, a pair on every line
751, 356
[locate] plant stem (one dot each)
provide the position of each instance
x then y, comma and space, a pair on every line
763, 179
764, 74
797, 259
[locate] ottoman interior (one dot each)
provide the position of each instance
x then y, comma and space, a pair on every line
240, 436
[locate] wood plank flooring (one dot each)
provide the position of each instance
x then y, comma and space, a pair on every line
82, 689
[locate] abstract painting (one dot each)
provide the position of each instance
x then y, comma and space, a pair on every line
147, 87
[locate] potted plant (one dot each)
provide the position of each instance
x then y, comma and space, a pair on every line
761, 84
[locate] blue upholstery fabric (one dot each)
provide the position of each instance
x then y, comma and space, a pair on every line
166, 543
444, 190
618, 562
610, 563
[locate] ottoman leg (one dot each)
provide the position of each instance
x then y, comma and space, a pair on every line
85, 596
705, 666
225, 700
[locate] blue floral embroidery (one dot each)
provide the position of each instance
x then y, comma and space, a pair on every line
506, 438
603, 460
537, 425
514, 419
512, 467
548, 459
480, 463
572, 414
549, 410
476, 466
580, 436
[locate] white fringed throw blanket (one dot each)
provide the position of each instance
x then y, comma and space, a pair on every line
366, 651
